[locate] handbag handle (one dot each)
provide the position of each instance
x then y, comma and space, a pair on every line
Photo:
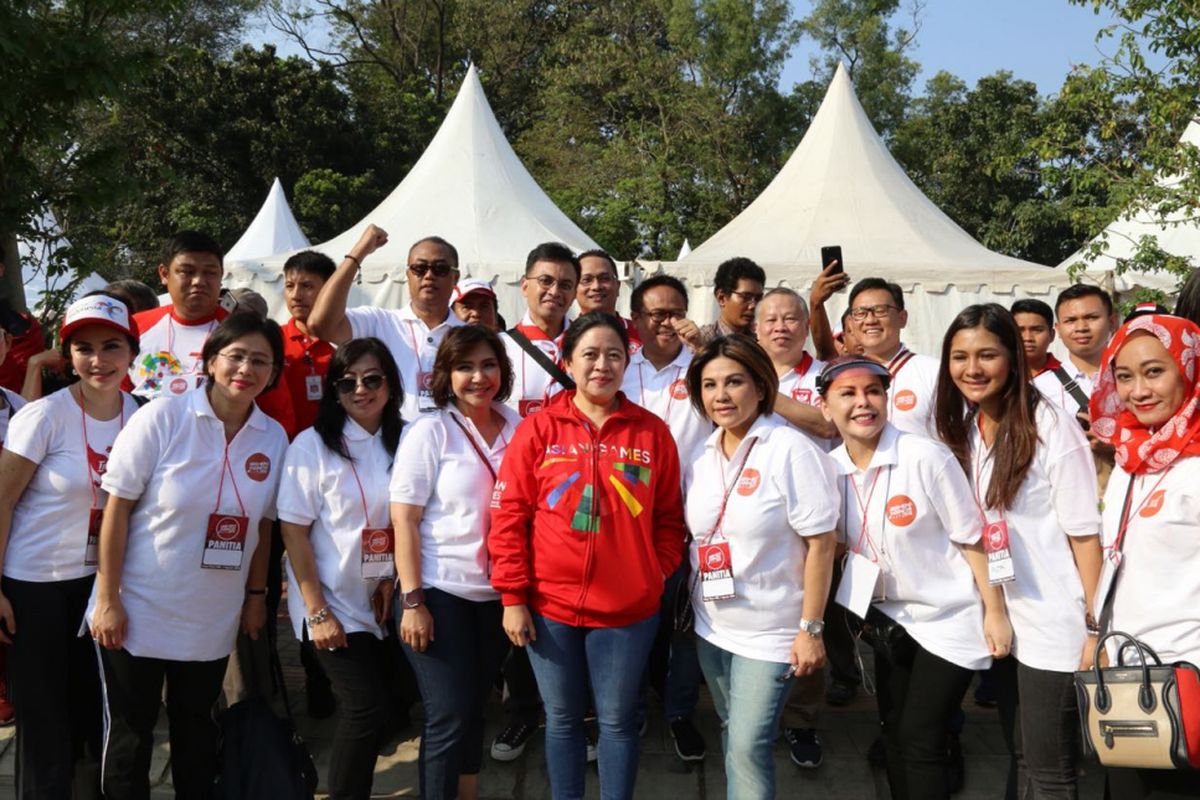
1145, 694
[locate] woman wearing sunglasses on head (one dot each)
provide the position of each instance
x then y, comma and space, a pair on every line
449, 614
333, 511
1034, 481
189, 481
1147, 404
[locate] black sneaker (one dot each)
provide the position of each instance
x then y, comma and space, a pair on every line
510, 742
840, 694
689, 744
805, 747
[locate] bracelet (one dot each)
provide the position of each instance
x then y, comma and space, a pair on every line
319, 617
355, 259
1093, 628
256, 591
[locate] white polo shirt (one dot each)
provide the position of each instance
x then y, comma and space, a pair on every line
170, 458
48, 539
912, 392
919, 510
532, 385
786, 492
664, 393
444, 474
800, 384
15, 403
411, 342
1158, 591
320, 490
1057, 500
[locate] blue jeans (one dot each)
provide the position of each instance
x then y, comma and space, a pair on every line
749, 696
564, 657
456, 674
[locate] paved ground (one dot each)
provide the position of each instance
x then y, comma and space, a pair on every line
847, 733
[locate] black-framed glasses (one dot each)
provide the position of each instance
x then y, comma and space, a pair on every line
878, 311
748, 297
348, 385
440, 269
549, 284
664, 315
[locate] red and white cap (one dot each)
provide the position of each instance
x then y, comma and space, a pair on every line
472, 286
97, 309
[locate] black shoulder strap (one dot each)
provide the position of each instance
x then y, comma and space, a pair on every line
1123, 522
543, 361
1072, 388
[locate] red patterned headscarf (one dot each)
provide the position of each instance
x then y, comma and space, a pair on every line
1140, 449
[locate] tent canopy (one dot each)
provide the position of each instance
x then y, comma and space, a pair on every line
273, 231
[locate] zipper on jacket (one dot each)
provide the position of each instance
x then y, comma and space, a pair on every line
593, 518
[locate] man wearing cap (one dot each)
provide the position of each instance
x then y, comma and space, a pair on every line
474, 302
413, 333
599, 285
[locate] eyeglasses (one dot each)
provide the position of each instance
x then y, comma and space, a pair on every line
549, 284
661, 316
349, 385
748, 297
238, 360
879, 311
440, 269
603, 279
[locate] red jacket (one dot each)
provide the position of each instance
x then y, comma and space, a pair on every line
574, 560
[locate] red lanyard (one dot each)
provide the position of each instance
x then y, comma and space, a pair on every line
978, 470
361, 494
87, 448
728, 491
232, 480
863, 509
1127, 513
171, 337
475, 446
670, 393
416, 347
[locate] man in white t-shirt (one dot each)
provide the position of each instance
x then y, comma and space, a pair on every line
413, 333
173, 335
877, 315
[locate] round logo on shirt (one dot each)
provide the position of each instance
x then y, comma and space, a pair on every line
177, 386
901, 510
748, 482
905, 400
1153, 505
426, 381
378, 542
258, 467
679, 389
226, 528
714, 558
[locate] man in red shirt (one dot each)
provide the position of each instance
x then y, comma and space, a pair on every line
599, 285
305, 357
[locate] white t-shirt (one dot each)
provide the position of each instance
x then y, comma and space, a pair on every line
912, 393
1052, 388
15, 403
1158, 591
532, 385
919, 509
168, 361
48, 540
412, 344
1058, 499
171, 458
785, 493
444, 474
319, 488
664, 393
800, 384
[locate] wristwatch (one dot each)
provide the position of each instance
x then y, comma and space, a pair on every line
813, 627
412, 599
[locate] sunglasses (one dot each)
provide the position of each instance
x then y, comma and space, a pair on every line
349, 385
440, 269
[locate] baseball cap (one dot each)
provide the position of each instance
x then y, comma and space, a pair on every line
97, 309
471, 286
844, 364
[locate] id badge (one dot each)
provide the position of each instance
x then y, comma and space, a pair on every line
91, 555
225, 541
377, 553
856, 590
716, 572
528, 407
425, 392
999, 556
312, 387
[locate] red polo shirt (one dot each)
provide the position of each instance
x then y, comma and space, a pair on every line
303, 356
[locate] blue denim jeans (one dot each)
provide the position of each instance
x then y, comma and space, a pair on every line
456, 674
564, 658
749, 696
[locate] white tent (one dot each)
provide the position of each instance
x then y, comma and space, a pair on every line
841, 186
38, 254
274, 230
1176, 233
685, 250
468, 187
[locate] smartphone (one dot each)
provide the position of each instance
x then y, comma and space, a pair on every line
227, 301
833, 252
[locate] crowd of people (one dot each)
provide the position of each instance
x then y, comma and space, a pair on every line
582, 509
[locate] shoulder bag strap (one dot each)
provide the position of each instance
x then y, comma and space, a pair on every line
543, 361
1106, 608
1072, 388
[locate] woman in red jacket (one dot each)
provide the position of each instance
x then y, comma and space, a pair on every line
587, 520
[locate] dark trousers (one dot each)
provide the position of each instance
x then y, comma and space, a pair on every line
1040, 721
841, 644
456, 673
54, 686
523, 702
1152, 784
918, 691
133, 692
360, 689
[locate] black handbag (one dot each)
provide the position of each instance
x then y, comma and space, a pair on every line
887, 637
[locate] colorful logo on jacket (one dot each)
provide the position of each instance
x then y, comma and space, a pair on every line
626, 479
155, 368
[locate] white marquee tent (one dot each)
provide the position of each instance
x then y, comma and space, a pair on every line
274, 230
468, 187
